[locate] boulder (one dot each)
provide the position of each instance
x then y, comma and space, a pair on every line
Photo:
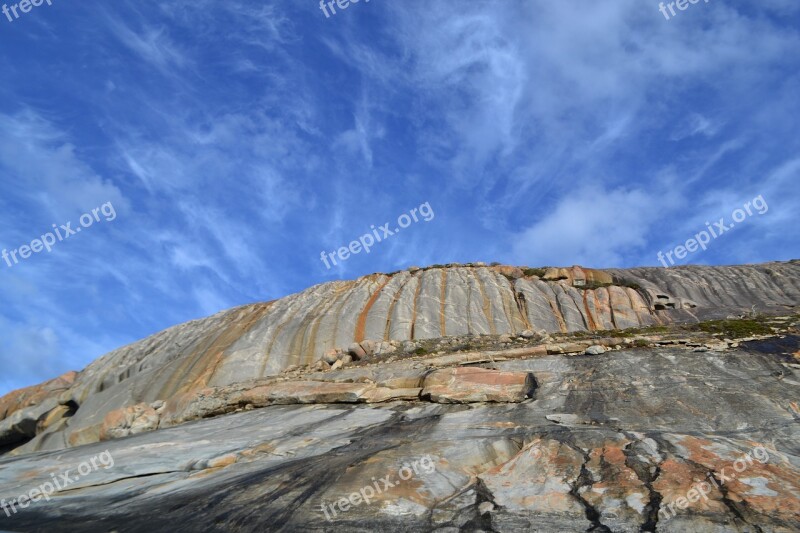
291, 392
509, 271
129, 421
595, 349
370, 347
356, 351
331, 356
466, 384
386, 347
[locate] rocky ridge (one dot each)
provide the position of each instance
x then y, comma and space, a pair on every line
529, 426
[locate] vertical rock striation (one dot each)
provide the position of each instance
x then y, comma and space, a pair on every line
263, 339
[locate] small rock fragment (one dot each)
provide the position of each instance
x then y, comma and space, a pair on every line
370, 347
356, 351
321, 366
485, 507
331, 356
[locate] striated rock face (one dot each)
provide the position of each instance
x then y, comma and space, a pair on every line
380, 312
486, 385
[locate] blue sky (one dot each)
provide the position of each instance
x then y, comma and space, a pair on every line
237, 140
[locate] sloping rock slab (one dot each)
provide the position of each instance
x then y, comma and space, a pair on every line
467, 385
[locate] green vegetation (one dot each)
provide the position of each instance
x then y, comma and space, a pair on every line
420, 351
733, 329
627, 283
533, 272
591, 285
649, 330
579, 335
641, 343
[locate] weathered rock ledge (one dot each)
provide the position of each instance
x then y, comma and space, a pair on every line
388, 316
566, 409
615, 442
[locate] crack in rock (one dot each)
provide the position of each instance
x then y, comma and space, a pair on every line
647, 473
585, 481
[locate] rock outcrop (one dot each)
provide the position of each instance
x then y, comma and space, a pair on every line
472, 385
513, 398
381, 312
645, 439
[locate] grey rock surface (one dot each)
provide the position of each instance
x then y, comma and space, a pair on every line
264, 339
634, 432
557, 434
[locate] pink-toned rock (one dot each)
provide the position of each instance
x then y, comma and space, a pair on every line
465, 385
356, 351
22, 398
331, 356
370, 347
129, 421
291, 392
509, 271
538, 480
618, 494
385, 394
761, 479
193, 405
579, 274
85, 435
624, 314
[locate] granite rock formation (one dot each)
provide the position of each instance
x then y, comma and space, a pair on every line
256, 417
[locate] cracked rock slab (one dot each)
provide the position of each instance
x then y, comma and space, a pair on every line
469, 384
